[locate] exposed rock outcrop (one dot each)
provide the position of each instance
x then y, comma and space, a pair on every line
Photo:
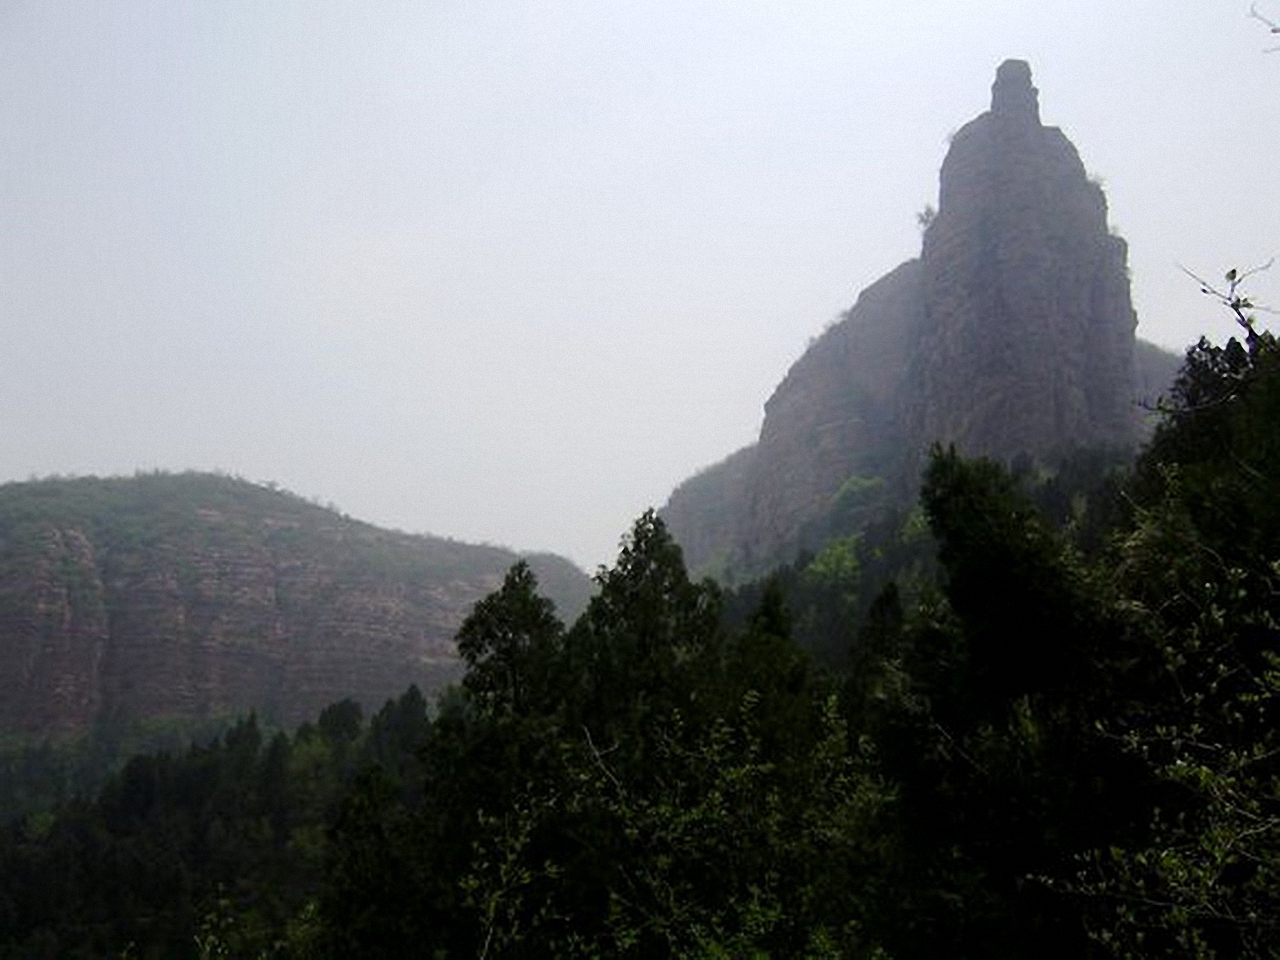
707, 511
1012, 333
197, 596
1027, 343
837, 413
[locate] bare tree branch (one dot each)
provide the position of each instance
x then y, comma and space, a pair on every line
1233, 299
1271, 24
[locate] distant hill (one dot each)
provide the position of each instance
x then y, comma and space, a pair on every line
1011, 334
192, 596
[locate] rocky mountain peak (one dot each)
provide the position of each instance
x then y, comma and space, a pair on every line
1011, 334
1028, 331
1013, 98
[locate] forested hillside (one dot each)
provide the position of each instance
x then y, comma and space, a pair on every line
146, 612
1051, 733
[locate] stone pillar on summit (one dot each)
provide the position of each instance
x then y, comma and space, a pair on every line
1027, 340
1013, 98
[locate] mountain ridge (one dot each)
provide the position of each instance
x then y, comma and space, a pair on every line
193, 595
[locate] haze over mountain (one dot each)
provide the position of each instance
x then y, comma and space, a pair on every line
509, 272
506, 271
1011, 334
192, 597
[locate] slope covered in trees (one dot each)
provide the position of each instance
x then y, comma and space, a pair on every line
146, 613
1053, 735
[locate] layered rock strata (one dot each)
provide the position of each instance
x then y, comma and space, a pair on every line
197, 596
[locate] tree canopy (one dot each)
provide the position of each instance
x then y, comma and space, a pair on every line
1041, 721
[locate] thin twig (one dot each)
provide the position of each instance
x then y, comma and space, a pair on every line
1271, 25
599, 759
1232, 298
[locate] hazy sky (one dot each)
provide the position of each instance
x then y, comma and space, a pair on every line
509, 271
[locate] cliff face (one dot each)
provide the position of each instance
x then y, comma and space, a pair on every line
707, 511
1027, 335
838, 413
1013, 332
195, 596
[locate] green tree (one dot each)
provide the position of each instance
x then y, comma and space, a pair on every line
1200, 567
510, 643
981, 697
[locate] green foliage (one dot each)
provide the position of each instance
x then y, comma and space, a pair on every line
39, 774
855, 502
1085, 742
837, 565
1200, 565
508, 643
644, 784
977, 698
215, 852
1053, 735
